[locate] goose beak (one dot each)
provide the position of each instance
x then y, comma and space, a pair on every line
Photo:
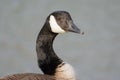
73, 28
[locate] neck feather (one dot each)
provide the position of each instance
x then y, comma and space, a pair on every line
47, 59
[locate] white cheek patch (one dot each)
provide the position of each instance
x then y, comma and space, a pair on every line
54, 26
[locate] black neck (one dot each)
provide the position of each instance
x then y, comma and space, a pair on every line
47, 59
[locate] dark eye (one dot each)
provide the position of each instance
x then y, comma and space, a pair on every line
59, 19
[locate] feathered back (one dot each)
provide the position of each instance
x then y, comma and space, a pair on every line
28, 76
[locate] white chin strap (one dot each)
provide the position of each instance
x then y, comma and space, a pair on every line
54, 26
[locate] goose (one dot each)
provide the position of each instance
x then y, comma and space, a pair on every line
53, 67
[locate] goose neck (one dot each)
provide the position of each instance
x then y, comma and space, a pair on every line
47, 59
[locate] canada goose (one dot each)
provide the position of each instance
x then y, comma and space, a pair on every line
53, 67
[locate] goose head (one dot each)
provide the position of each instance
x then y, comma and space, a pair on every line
61, 22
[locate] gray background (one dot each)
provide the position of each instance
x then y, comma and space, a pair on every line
95, 55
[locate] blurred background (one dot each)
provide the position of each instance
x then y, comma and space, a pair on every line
94, 55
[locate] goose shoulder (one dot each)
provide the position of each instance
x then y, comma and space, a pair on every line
28, 76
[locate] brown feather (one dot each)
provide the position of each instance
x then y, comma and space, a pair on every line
28, 76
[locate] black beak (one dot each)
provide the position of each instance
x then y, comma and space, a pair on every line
73, 28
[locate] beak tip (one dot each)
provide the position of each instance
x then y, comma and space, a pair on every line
77, 31
74, 28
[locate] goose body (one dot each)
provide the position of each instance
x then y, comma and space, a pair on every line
53, 67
